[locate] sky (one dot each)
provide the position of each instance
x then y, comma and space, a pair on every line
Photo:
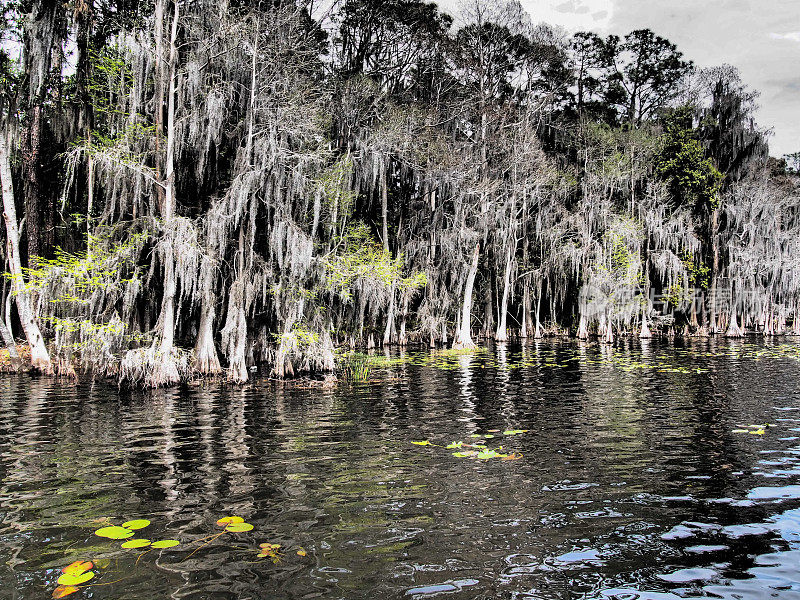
760, 37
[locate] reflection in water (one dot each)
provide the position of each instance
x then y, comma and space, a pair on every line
633, 483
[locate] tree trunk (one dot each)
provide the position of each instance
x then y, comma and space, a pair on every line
501, 335
206, 360
165, 371
385, 207
463, 338
390, 334
537, 332
523, 326
5, 331
645, 334
40, 358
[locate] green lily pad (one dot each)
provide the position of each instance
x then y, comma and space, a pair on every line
68, 579
487, 454
514, 431
229, 520
136, 524
425, 443
165, 544
114, 532
453, 445
239, 527
138, 543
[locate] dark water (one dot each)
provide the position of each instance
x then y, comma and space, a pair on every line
632, 481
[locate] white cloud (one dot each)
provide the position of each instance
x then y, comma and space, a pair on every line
793, 36
572, 15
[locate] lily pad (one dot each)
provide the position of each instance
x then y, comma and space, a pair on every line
165, 544
229, 521
425, 443
239, 527
113, 532
78, 567
63, 591
514, 431
67, 579
138, 543
453, 445
487, 454
136, 524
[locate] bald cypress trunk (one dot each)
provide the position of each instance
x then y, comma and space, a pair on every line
463, 336
40, 357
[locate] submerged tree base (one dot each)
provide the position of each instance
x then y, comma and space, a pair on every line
146, 368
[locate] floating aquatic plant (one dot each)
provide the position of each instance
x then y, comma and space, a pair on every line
72, 576
753, 429
63, 591
114, 532
478, 451
137, 543
267, 550
136, 524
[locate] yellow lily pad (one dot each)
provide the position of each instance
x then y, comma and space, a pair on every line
67, 579
239, 527
115, 533
136, 524
229, 521
165, 544
138, 543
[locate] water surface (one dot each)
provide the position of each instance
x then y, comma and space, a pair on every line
638, 479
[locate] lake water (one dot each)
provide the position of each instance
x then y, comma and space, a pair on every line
655, 471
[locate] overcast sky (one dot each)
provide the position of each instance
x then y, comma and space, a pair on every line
760, 37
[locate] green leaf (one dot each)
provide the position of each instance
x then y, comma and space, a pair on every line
67, 579
487, 454
138, 543
136, 524
165, 544
452, 445
113, 532
239, 527
514, 431
425, 443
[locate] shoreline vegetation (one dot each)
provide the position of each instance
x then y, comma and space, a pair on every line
200, 189
381, 364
